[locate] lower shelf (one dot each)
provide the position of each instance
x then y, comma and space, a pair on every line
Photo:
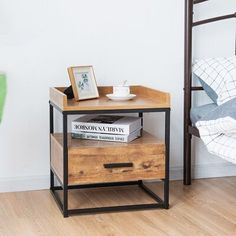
99, 161
87, 199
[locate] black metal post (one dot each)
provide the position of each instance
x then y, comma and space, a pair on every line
187, 89
51, 117
65, 167
141, 116
167, 161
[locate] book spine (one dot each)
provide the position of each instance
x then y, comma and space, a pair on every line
100, 128
103, 137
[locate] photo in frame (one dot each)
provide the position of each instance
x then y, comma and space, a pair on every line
83, 82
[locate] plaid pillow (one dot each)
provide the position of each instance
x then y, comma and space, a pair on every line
220, 75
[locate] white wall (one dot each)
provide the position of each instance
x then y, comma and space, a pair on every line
137, 40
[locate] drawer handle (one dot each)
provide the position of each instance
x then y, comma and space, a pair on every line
118, 165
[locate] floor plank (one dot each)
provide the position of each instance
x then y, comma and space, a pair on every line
208, 207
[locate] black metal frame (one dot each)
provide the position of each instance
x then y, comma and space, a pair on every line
63, 205
189, 129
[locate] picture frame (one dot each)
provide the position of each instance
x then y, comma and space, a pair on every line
83, 82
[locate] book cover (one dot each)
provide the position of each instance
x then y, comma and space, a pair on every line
126, 138
108, 124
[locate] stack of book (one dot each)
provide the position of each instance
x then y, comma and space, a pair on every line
107, 128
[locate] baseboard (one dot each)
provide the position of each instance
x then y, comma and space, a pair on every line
26, 183
29, 183
205, 171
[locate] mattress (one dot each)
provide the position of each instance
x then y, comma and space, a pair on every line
197, 113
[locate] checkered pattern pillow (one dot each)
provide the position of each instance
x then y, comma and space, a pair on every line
220, 75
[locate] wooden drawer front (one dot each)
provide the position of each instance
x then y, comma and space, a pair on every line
117, 164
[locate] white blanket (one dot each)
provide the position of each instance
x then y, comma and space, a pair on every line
219, 136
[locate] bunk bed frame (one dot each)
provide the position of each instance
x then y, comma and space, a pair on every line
189, 129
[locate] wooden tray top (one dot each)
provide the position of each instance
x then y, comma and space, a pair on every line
147, 98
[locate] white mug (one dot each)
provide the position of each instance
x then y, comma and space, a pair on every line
121, 90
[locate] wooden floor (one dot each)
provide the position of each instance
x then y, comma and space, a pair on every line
208, 207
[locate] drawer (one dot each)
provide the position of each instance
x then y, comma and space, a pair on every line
96, 162
116, 164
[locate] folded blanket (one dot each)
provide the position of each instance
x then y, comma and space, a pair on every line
218, 131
